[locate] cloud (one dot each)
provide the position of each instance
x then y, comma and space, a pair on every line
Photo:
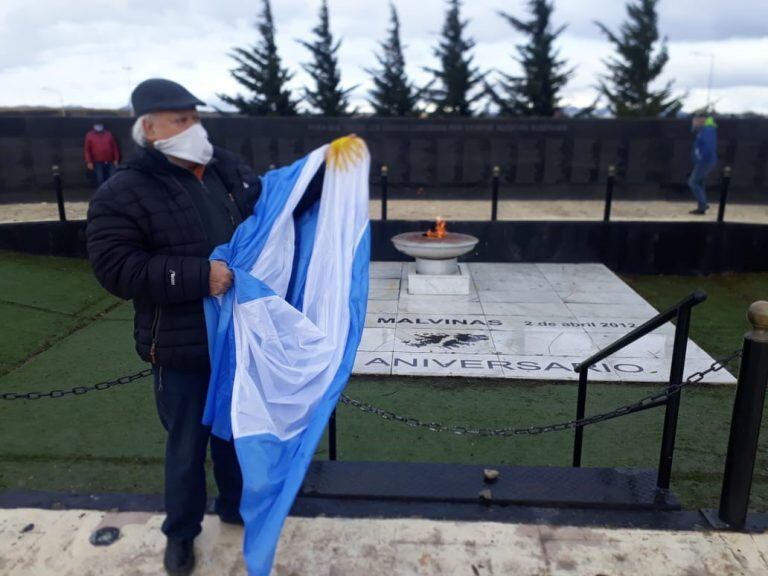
680, 20
93, 52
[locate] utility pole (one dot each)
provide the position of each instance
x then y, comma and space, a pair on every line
61, 98
711, 57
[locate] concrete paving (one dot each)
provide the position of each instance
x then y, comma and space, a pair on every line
657, 210
48, 542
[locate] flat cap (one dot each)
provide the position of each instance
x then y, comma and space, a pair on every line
159, 94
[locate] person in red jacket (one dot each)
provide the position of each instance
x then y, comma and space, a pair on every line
101, 152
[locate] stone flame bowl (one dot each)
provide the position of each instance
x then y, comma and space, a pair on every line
426, 249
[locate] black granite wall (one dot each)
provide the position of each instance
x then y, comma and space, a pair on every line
625, 247
443, 157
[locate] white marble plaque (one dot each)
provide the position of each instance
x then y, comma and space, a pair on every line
519, 321
434, 284
377, 340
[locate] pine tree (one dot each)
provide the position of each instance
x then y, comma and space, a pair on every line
456, 78
536, 92
392, 94
328, 98
631, 71
259, 71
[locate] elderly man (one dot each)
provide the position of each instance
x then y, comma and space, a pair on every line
151, 228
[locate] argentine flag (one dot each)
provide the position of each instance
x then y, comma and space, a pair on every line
283, 340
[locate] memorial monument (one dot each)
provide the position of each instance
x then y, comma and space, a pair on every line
522, 321
436, 270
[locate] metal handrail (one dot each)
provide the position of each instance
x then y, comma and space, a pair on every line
657, 321
682, 313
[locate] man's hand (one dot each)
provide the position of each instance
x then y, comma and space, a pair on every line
89, 165
220, 278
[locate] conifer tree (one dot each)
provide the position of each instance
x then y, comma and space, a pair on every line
536, 92
392, 94
327, 97
457, 79
259, 70
637, 64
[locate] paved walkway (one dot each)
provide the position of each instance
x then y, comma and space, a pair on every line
473, 210
44, 542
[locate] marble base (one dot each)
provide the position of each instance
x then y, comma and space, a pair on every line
518, 321
444, 267
437, 284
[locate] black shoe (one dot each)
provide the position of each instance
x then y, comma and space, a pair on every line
179, 556
698, 211
233, 518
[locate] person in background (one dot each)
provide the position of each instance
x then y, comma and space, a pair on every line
101, 152
704, 159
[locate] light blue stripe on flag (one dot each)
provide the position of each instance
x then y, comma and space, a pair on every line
273, 470
245, 246
283, 341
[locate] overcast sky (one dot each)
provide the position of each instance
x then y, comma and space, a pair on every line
92, 52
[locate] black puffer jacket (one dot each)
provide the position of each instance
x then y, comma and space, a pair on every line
149, 242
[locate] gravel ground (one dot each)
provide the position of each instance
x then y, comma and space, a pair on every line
473, 210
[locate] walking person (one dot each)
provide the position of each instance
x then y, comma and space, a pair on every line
151, 228
704, 159
101, 152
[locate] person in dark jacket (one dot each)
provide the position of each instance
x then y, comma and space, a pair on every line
704, 159
151, 228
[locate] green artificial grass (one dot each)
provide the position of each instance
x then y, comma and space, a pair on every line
62, 330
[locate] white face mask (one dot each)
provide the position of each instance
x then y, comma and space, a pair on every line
192, 145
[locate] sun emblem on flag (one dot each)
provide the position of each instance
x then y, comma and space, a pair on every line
345, 152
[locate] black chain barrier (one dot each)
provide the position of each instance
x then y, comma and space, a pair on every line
77, 390
637, 406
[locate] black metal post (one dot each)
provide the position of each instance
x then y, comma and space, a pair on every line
609, 193
725, 183
384, 190
59, 192
332, 436
495, 193
581, 407
676, 370
745, 423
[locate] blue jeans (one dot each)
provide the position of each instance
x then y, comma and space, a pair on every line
698, 183
180, 397
102, 171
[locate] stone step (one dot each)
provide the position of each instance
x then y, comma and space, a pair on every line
545, 486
